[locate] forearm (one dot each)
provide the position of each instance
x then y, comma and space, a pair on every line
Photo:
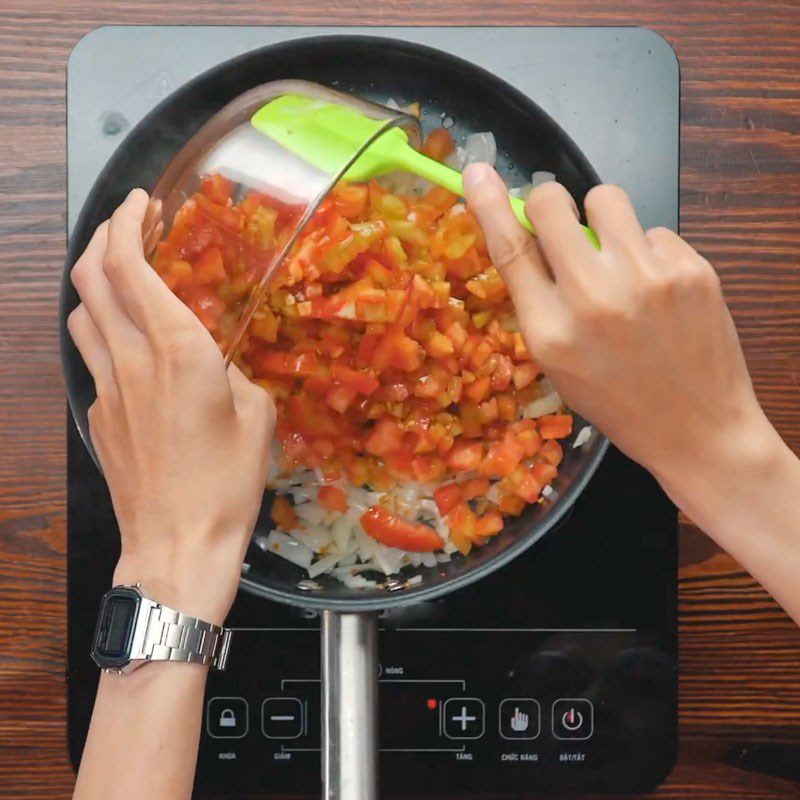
745, 494
144, 734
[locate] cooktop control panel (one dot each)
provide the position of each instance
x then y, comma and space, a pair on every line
494, 709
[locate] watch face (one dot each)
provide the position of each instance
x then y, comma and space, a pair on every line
112, 639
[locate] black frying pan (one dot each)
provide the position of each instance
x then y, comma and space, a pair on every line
528, 140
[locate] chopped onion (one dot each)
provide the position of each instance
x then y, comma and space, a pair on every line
387, 558
549, 404
416, 579
358, 582
480, 147
342, 531
325, 564
290, 549
584, 434
316, 537
312, 513
428, 560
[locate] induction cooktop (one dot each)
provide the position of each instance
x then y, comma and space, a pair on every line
558, 672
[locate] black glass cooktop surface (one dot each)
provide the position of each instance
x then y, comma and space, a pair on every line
559, 672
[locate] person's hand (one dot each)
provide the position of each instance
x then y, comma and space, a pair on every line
636, 337
183, 444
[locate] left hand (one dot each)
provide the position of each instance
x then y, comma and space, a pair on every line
183, 443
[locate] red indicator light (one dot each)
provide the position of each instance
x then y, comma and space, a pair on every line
432, 703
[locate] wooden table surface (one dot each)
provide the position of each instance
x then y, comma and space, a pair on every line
740, 205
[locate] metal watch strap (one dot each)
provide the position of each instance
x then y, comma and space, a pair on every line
172, 636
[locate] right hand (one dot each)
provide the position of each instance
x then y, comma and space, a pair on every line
635, 337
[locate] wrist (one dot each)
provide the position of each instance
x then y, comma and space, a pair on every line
196, 585
725, 469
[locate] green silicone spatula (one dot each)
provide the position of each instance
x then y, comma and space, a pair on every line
327, 134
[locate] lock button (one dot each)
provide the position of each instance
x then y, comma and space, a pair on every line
227, 717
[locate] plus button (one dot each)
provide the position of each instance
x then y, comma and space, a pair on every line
463, 718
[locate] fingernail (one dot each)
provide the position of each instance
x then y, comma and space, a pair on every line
475, 174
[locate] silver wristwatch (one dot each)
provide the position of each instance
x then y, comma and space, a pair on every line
133, 630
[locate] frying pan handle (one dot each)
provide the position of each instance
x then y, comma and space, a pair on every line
349, 706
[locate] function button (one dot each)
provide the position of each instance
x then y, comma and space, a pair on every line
227, 717
463, 718
573, 719
282, 718
520, 718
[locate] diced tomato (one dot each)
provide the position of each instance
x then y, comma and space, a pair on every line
178, 275
438, 345
350, 199
476, 487
457, 334
317, 384
385, 438
511, 504
446, 497
488, 410
465, 456
205, 303
470, 420
333, 498
438, 144
544, 473
502, 458
340, 397
527, 434
209, 268
525, 374
489, 524
378, 273
397, 351
362, 382
393, 531
555, 426
282, 513
228, 218
428, 469
506, 407
503, 371
217, 188
551, 452
478, 390
526, 485
480, 354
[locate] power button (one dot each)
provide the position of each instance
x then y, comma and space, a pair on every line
573, 719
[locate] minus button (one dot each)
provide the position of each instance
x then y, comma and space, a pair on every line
282, 718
